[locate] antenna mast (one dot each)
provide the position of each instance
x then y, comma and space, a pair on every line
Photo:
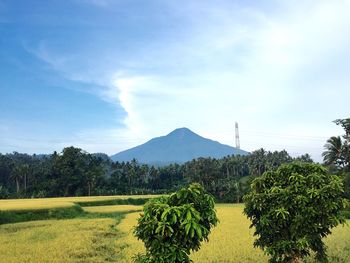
238, 146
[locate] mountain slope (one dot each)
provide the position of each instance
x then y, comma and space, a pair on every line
179, 146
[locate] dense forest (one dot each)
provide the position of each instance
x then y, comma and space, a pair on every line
74, 172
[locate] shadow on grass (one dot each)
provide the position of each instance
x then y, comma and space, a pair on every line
75, 211
8, 217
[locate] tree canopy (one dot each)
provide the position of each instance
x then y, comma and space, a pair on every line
173, 226
293, 208
337, 148
75, 172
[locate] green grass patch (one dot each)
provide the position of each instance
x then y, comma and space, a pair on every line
16, 216
127, 201
76, 211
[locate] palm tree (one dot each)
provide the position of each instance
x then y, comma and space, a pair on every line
25, 169
345, 123
16, 175
334, 151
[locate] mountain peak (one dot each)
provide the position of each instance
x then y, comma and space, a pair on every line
179, 146
181, 132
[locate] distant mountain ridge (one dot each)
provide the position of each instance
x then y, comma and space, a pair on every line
179, 146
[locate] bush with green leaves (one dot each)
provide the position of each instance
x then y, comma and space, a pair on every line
173, 226
293, 208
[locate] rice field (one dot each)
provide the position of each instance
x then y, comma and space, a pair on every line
232, 240
32, 204
128, 245
104, 234
47, 203
73, 240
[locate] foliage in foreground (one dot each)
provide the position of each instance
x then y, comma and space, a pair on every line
293, 208
173, 226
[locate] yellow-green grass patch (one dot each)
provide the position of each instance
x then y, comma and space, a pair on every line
32, 204
47, 203
73, 240
232, 240
127, 246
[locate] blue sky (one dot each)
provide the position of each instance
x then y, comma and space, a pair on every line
107, 75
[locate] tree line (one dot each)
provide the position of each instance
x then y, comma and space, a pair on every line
75, 172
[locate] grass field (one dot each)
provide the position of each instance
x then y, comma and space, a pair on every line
73, 240
232, 240
104, 234
46, 203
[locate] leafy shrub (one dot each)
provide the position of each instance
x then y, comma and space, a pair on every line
293, 208
173, 226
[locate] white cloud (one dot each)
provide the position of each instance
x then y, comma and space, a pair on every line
280, 54
267, 68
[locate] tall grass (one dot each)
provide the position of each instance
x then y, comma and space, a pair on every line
53, 241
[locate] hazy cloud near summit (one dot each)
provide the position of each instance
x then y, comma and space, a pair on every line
278, 68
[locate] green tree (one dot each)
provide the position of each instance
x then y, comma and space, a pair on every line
293, 208
16, 175
25, 170
94, 172
71, 166
305, 158
334, 152
337, 154
173, 226
337, 151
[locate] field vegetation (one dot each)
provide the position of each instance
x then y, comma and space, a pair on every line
21, 210
232, 240
105, 234
70, 240
59, 202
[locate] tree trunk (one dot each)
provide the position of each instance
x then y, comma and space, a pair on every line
17, 184
89, 189
25, 182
